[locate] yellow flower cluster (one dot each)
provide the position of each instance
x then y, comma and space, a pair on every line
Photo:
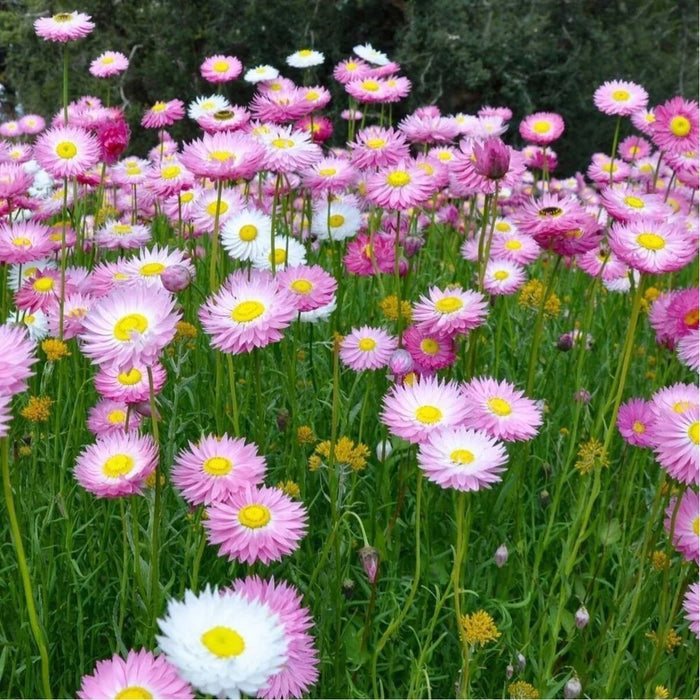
291, 488
591, 454
55, 349
660, 560
38, 410
185, 330
650, 296
390, 308
522, 689
305, 435
345, 451
478, 628
531, 298
672, 639
661, 692
104, 214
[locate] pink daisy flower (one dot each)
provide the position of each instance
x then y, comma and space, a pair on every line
107, 417
10, 129
451, 311
677, 398
223, 156
256, 524
247, 313
106, 277
288, 150
602, 169
414, 411
501, 410
64, 26
691, 606
278, 107
141, 675
14, 180
627, 205
220, 68
633, 148
370, 255
116, 465
643, 120
676, 444
75, 308
368, 90
23, 241
120, 235
367, 348
682, 313
635, 421
378, 147
503, 277
108, 64
163, 114
130, 326
169, 178
401, 186
215, 468
689, 350
620, 97
66, 151
428, 128
686, 527
549, 215
300, 671
329, 174
147, 267
41, 291
542, 128
351, 69
675, 126
651, 246
462, 459
129, 385
208, 204
310, 285
514, 246
17, 355
5, 414
430, 351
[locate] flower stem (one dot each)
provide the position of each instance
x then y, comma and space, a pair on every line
155, 535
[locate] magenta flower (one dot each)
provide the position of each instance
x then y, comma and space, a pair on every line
17, 355
400, 186
310, 285
378, 147
430, 351
367, 348
450, 312
676, 444
129, 385
685, 525
223, 156
113, 136
64, 26
108, 64
23, 241
163, 114
620, 97
635, 421
491, 158
691, 606
675, 125
108, 416
221, 69
66, 151
542, 128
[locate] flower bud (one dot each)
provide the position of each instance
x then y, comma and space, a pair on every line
175, 278
509, 671
581, 618
384, 449
143, 408
573, 688
501, 556
491, 158
582, 396
369, 557
401, 362
522, 661
348, 588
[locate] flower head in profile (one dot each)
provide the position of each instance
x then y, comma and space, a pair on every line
691, 607
684, 519
368, 53
17, 355
305, 58
64, 26
220, 69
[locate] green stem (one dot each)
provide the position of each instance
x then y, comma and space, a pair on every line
155, 534
215, 238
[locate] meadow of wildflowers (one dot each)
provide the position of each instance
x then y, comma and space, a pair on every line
411, 416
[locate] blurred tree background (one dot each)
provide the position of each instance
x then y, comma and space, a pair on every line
531, 55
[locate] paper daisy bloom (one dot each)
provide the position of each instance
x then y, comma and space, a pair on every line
36, 324
23, 241
500, 409
503, 277
311, 286
676, 444
691, 606
130, 326
214, 468
118, 235
635, 421
450, 311
336, 223
260, 73
66, 151
247, 313
689, 350
288, 150
221, 69
64, 26
300, 671
685, 525
163, 114
107, 417
147, 267
129, 385
141, 675
224, 645
368, 53
542, 128
305, 58
462, 459
398, 187
620, 97
108, 64
116, 465
246, 235
5, 414
675, 125
256, 524
367, 348
223, 156
414, 411
207, 105
288, 252
378, 147
430, 351
17, 355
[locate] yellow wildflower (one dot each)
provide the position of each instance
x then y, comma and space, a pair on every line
305, 435
185, 330
390, 308
522, 689
591, 454
660, 560
345, 452
672, 639
314, 463
531, 297
661, 692
24, 450
55, 349
478, 628
291, 488
38, 410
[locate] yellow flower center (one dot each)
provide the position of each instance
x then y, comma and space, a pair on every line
220, 66
651, 241
375, 143
29, 319
133, 376
327, 172
500, 275
541, 127
367, 344
301, 286
351, 65
21, 242
691, 318
634, 202
121, 229
170, 172
680, 126
220, 156
693, 432
223, 642
427, 168
499, 406
126, 326
186, 197
336, 220
399, 178
620, 95
254, 516
248, 233
428, 414
503, 226
117, 465
370, 85
221, 207
444, 156
448, 305
120, 276
282, 143
133, 692
638, 427
117, 416
66, 150
43, 284
280, 256
304, 53
682, 406
550, 212
429, 346
106, 61
62, 17
462, 457
696, 526
247, 311
217, 466
159, 107
312, 95
150, 269
513, 245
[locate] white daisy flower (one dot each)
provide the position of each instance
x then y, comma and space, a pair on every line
342, 221
287, 251
260, 73
370, 54
27, 270
210, 104
37, 324
305, 58
246, 235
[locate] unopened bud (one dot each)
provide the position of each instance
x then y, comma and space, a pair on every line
348, 588
369, 557
582, 396
509, 671
143, 408
522, 661
384, 449
544, 498
501, 556
401, 362
175, 278
581, 618
491, 158
573, 688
